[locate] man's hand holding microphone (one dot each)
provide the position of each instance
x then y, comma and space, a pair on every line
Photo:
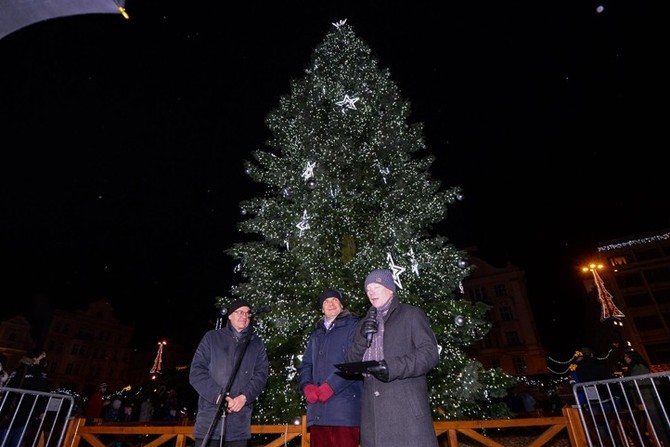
369, 329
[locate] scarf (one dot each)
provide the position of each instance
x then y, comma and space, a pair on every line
376, 349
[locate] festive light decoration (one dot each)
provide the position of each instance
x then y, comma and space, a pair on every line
572, 362
304, 223
339, 24
640, 241
607, 306
309, 170
396, 269
347, 103
156, 369
374, 197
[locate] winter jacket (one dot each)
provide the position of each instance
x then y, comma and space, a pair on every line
27, 376
397, 413
211, 370
325, 348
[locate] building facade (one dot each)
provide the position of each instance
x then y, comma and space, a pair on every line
637, 274
84, 347
513, 343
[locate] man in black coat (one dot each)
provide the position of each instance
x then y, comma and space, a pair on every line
395, 408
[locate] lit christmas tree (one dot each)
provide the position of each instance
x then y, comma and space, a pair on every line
348, 191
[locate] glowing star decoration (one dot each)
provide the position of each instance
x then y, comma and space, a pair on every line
304, 223
415, 263
339, 24
384, 172
347, 103
309, 170
159, 359
291, 370
607, 307
396, 269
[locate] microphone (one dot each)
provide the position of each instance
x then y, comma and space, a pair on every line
371, 325
261, 310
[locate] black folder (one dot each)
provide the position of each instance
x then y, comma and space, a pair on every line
354, 368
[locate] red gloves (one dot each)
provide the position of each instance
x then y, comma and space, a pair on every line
311, 393
321, 393
325, 392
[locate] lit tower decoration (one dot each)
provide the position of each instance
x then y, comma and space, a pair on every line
156, 369
607, 307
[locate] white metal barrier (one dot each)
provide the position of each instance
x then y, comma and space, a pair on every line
33, 418
627, 411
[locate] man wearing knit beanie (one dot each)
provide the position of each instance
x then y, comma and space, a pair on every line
333, 401
330, 293
229, 363
237, 304
400, 346
383, 277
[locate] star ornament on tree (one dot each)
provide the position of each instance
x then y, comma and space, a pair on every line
339, 24
304, 223
347, 103
309, 170
396, 269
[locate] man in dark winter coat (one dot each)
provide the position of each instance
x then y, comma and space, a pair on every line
333, 401
214, 376
395, 405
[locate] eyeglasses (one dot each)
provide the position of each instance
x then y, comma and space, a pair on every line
242, 312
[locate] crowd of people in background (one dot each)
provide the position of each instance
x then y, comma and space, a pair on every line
159, 405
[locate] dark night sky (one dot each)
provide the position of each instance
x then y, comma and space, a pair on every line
124, 139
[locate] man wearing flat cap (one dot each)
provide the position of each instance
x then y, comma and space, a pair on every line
230, 363
333, 401
395, 409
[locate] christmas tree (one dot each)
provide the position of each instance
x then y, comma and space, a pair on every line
347, 190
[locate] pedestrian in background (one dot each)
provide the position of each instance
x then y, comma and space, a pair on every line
644, 396
4, 375
589, 369
19, 411
95, 403
333, 401
395, 409
214, 377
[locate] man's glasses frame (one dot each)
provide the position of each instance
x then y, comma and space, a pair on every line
243, 312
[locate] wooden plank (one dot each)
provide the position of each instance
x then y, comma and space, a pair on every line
160, 440
281, 441
479, 437
93, 440
547, 435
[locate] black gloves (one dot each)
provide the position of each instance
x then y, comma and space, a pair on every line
370, 327
380, 371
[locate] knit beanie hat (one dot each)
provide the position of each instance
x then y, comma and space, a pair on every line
383, 277
330, 293
237, 304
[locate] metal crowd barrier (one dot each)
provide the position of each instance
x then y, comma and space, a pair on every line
626, 411
33, 418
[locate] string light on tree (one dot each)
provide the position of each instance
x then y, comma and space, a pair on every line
607, 306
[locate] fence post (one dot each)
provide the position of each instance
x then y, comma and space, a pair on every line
72, 433
575, 427
305, 435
